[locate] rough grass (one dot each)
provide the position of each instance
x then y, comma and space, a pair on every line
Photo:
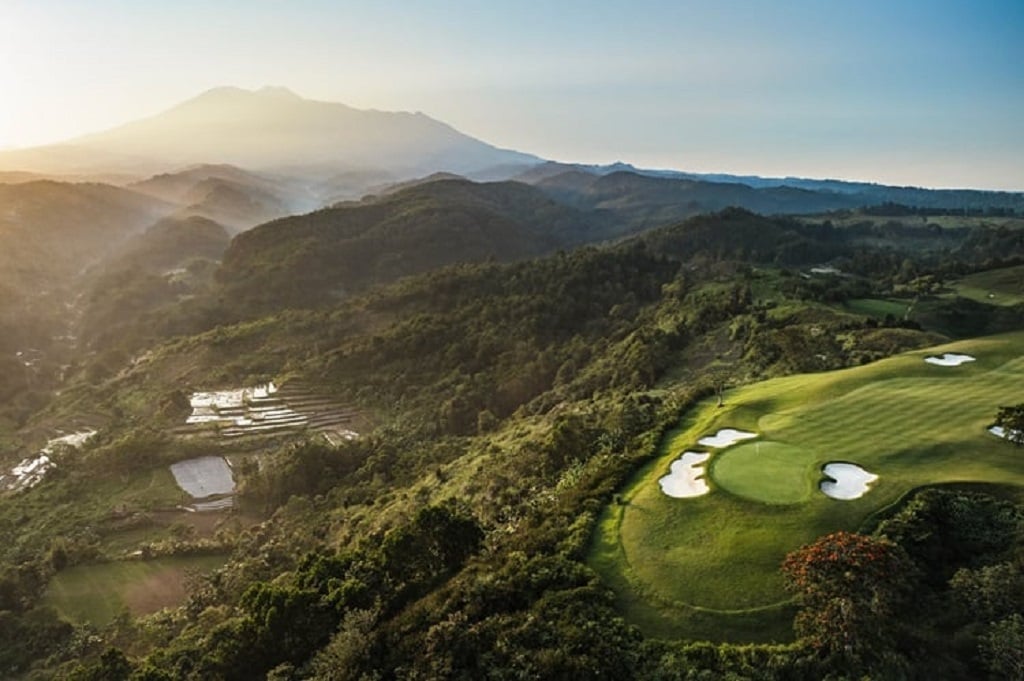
95, 594
707, 567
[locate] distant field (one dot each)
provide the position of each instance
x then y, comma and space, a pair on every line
95, 594
707, 567
877, 307
996, 287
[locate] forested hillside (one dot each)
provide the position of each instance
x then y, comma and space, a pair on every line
509, 403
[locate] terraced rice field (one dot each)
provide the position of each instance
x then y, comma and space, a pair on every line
267, 410
31, 470
707, 567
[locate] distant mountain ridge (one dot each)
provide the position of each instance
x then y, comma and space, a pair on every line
272, 129
838, 193
328, 152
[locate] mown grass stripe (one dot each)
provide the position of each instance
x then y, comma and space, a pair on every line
911, 423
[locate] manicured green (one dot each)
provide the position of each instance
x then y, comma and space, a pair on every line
96, 593
772, 472
708, 566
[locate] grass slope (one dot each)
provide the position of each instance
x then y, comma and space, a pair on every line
95, 594
1004, 286
708, 566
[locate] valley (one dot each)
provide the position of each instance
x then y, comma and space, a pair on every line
463, 413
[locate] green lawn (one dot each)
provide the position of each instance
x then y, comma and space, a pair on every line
772, 472
877, 307
707, 567
95, 594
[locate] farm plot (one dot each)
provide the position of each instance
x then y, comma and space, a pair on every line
204, 477
267, 410
207, 479
95, 594
31, 470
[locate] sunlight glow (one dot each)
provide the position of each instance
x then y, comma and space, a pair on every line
883, 91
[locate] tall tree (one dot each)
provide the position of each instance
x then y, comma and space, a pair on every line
849, 586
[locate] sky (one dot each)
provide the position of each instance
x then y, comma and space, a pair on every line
927, 93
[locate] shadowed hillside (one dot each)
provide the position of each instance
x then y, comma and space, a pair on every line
331, 253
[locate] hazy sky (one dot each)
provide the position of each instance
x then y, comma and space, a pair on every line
927, 92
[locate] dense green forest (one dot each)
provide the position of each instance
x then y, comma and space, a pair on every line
508, 399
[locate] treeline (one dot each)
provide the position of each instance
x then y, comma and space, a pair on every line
892, 209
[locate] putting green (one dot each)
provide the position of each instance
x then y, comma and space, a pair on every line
771, 472
707, 567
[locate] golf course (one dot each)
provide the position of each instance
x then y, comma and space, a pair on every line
707, 565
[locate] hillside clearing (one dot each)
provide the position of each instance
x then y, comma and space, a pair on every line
95, 594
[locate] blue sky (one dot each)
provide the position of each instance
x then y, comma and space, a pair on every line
926, 93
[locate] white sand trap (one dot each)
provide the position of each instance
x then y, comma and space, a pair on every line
849, 481
950, 359
204, 477
684, 479
999, 431
725, 438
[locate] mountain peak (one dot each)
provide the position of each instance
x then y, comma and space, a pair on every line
230, 92
273, 128
277, 92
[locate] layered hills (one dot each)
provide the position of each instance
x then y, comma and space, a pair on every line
234, 197
512, 353
509, 402
331, 253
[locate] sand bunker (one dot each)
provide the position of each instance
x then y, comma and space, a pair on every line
725, 438
204, 476
685, 477
848, 481
999, 431
950, 359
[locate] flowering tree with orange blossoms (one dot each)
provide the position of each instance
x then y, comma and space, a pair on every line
849, 586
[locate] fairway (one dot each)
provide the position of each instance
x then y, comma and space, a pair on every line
707, 567
877, 307
1003, 286
95, 594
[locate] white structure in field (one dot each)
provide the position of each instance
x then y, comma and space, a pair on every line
31, 470
267, 409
